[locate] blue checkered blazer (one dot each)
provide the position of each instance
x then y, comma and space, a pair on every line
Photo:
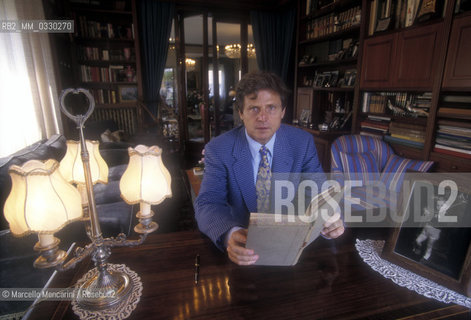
227, 194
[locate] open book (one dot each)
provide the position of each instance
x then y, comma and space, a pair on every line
279, 239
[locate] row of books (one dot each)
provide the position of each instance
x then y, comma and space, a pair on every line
386, 14
331, 23
102, 30
99, 54
455, 106
397, 102
313, 5
453, 138
409, 134
104, 95
375, 125
108, 74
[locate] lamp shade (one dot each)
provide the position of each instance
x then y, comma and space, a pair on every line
146, 179
41, 200
71, 166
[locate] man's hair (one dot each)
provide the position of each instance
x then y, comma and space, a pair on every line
255, 81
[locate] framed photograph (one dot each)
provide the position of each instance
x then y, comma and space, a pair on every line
127, 93
326, 79
305, 116
334, 79
319, 80
349, 78
427, 243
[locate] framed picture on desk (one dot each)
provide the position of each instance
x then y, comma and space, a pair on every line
433, 238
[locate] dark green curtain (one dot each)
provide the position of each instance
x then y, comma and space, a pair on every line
273, 34
155, 24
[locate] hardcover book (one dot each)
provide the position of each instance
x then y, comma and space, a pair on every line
280, 243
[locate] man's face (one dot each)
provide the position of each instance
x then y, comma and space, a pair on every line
262, 114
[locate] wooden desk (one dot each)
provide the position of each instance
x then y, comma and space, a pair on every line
330, 282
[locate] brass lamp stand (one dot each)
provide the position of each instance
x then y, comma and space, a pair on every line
42, 201
114, 286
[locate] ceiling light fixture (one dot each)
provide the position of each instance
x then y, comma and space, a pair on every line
233, 50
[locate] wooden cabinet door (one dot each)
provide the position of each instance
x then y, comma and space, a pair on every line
417, 57
458, 60
304, 101
378, 62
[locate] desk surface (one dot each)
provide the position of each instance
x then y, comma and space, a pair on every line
329, 282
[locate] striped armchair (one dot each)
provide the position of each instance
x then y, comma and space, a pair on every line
345, 146
368, 159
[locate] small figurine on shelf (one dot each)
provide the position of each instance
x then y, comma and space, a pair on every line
338, 107
415, 111
395, 110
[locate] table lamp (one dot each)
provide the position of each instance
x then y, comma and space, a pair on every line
71, 168
146, 181
43, 202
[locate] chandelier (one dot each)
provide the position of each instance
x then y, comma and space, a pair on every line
233, 50
190, 64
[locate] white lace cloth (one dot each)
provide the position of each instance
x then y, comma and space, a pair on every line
370, 251
120, 311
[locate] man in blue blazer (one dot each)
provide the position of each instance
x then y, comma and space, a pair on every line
228, 193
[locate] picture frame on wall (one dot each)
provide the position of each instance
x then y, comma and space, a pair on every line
424, 244
127, 93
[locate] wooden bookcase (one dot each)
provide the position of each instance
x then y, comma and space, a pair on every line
422, 65
328, 51
106, 59
425, 59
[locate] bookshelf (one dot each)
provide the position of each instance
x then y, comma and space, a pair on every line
452, 138
105, 55
415, 82
327, 64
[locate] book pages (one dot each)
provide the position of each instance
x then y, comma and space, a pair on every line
280, 239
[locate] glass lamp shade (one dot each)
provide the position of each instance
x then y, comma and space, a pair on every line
41, 200
146, 179
71, 166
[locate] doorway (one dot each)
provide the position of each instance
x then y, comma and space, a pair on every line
206, 42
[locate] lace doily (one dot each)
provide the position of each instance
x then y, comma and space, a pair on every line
120, 311
370, 251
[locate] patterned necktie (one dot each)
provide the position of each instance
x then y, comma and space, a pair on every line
263, 183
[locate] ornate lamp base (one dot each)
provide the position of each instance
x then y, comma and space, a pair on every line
114, 301
50, 256
146, 225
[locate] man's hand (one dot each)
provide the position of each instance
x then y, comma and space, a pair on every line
236, 249
333, 227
